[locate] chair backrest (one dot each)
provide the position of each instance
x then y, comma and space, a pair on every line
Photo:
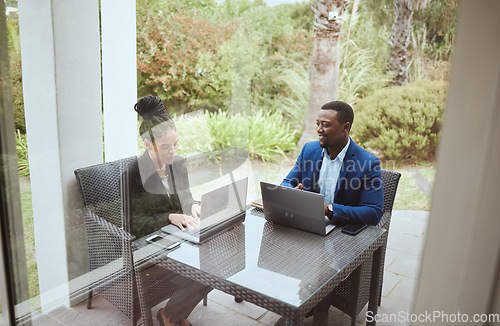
100, 188
390, 180
110, 258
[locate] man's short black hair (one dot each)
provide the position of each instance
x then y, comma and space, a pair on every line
344, 110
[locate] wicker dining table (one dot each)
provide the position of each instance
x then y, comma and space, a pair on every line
278, 268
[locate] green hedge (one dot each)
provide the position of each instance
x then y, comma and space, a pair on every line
402, 122
264, 135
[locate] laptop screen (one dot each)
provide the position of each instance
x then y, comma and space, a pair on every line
223, 203
214, 201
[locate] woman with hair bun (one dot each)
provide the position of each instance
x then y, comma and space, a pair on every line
159, 194
158, 179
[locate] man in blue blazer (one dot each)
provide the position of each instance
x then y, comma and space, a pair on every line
345, 174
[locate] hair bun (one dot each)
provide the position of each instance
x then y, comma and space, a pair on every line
151, 108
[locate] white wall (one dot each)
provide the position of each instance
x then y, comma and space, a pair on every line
461, 257
62, 99
119, 78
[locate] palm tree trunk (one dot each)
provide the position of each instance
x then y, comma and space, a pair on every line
400, 58
324, 71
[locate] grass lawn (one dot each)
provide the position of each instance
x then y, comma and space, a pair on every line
409, 197
29, 236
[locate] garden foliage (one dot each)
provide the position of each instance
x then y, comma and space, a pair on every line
230, 58
22, 154
402, 122
17, 94
264, 135
15, 74
169, 50
244, 61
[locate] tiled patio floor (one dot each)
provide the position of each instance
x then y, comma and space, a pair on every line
403, 257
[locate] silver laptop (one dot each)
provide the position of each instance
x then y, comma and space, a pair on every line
220, 209
299, 209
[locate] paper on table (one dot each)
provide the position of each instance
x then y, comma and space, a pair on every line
257, 203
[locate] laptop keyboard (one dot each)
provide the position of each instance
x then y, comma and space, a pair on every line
218, 217
209, 221
195, 233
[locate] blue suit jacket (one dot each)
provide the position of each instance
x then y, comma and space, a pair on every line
359, 195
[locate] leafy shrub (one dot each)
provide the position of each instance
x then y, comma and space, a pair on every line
402, 122
194, 133
17, 93
358, 75
362, 54
22, 154
439, 20
263, 135
169, 48
301, 14
293, 107
15, 73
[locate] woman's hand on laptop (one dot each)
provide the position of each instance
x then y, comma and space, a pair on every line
196, 211
181, 221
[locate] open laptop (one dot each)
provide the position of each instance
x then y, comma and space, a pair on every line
299, 209
220, 209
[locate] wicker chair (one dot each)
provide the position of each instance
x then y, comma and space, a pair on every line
110, 251
352, 294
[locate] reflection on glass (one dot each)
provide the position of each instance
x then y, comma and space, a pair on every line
222, 255
207, 166
10, 201
279, 249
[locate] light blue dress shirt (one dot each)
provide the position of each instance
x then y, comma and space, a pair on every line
329, 173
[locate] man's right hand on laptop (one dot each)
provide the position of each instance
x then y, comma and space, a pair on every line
181, 221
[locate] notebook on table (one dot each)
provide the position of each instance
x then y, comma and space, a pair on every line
296, 208
257, 203
220, 209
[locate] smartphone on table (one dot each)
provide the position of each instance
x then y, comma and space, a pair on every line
168, 244
353, 229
